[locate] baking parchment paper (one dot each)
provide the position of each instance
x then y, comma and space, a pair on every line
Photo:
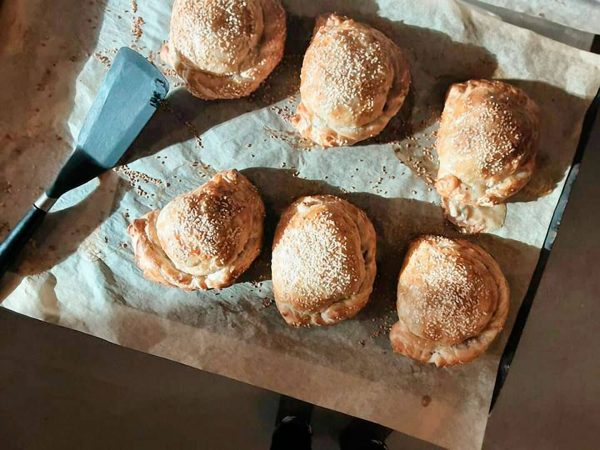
578, 14
79, 271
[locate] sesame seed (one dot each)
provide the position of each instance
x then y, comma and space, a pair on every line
225, 32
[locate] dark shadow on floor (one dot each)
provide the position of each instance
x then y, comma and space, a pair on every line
64, 389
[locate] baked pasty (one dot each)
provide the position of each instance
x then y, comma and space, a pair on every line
353, 81
487, 143
323, 261
203, 239
452, 301
225, 48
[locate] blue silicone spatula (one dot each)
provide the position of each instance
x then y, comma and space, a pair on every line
128, 97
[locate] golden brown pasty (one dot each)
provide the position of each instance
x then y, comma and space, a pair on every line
487, 143
353, 81
452, 301
323, 261
225, 48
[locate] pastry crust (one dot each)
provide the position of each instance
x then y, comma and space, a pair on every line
323, 261
224, 49
453, 300
354, 80
202, 239
487, 143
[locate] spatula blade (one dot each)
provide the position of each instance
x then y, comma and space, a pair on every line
128, 97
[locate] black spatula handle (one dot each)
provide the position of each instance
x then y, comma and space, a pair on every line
18, 237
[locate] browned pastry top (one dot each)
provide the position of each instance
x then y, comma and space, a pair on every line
452, 301
204, 238
217, 35
323, 260
487, 144
206, 224
490, 128
353, 80
445, 294
347, 73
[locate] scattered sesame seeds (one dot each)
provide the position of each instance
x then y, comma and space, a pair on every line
103, 59
266, 302
135, 178
383, 325
166, 106
203, 168
292, 138
136, 28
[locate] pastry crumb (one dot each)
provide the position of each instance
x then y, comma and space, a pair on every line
136, 28
425, 401
103, 59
